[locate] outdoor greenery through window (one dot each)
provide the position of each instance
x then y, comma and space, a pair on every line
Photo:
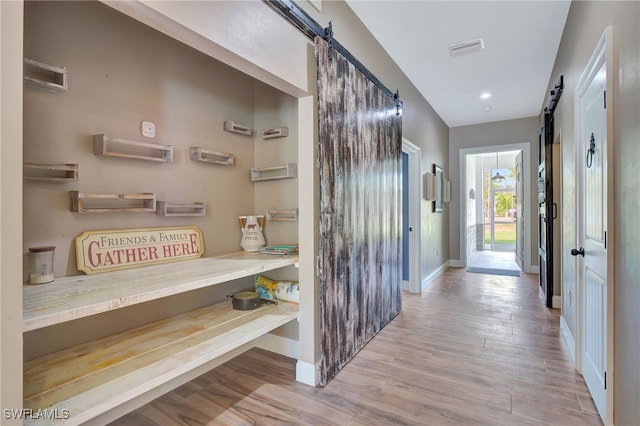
499, 208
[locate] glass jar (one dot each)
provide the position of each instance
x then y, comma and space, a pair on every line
41, 265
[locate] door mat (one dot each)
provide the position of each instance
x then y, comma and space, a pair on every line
491, 271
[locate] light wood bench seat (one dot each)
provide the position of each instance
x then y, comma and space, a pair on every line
92, 378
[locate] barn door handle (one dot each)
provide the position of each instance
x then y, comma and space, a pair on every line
591, 151
575, 252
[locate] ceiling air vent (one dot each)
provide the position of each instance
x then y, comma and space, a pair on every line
466, 47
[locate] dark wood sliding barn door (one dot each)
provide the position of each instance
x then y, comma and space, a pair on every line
360, 155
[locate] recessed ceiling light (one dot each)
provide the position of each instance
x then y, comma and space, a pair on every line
485, 96
466, 47
487, 108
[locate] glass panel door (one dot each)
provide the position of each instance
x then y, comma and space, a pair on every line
503, 220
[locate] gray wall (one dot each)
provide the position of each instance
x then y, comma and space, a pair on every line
492, 134
585, 25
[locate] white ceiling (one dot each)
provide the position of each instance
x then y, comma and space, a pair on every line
521, 40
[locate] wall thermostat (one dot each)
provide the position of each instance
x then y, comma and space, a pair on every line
148, 129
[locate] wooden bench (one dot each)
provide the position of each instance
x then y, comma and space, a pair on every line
97, 377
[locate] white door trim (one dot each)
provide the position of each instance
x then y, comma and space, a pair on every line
603, 54
526, 170
415, 191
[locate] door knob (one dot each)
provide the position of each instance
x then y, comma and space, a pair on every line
575, 252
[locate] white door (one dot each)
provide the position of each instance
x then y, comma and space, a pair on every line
519, 216
592, 218
411, 194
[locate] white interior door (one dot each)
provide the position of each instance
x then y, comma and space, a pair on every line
411, 271
592, 218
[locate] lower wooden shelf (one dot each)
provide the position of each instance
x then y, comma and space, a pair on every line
93, 378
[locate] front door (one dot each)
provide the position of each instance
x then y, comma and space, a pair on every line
519, 214
592, 229
503, 225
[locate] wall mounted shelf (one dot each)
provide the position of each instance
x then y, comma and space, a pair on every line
279, 132
232, 127
203, 155
430, 190
50, 172
446, 197
166, 208
286, 171
285, 215
46, 76
82, 202
114, 147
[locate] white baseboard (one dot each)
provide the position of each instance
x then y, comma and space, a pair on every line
307, 373
568, 338
456, 263
556, 302
533, 269
435, 274
278, 344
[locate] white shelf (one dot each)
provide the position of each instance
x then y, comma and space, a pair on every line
430, 186
83, 202
70, 298
46, 76
165, 208
93, 378
285, 215
203, 155
285, 171
279, 132
446, 197
233, 127
123, 148
50, 172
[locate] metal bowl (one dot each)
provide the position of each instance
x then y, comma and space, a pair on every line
247, 300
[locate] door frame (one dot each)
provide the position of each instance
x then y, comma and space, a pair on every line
603, 53
414, 152
525, 147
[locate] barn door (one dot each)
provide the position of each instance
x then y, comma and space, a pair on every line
360, 148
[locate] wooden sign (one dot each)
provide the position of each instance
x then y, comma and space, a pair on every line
110, 250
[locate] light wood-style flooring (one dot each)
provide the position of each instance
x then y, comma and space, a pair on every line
471, 349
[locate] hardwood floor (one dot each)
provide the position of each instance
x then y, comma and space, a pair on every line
471, 349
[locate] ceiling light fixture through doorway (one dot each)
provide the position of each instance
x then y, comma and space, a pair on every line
497, 176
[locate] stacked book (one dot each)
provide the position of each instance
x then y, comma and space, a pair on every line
282, 250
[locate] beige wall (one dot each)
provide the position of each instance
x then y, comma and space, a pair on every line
523, 130
276, 109
121, 73
585, 25
10, 209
